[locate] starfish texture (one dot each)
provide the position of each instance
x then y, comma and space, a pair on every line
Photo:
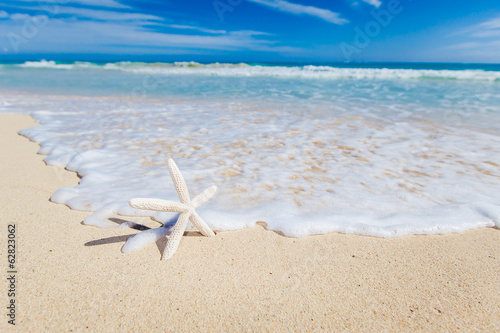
186, 208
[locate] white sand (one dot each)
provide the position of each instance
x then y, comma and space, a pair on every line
73, 277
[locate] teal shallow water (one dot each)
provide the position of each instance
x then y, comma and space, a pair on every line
379, 150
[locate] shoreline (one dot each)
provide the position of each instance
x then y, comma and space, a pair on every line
72, 276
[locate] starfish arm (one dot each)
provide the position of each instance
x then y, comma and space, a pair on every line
201, 225
144, 238
204, 196
179, 182
175, 236
158, 205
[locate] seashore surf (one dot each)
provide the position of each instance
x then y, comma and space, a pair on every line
74, 276
383, 156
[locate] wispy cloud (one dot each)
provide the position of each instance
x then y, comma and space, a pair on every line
75, 29
23, 17
487, 33
106, 15
250, 33
288, 7
95, 3
489, 28
486, 28
200, 29
101, 14
480, 41
102, 3
478, 46
81, 36
81, 27
376, 3
490, 24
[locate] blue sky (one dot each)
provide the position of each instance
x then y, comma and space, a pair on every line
252, 30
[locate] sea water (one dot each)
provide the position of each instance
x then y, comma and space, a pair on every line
380, 150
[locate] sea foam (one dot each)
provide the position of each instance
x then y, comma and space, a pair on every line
308, 71
380, 158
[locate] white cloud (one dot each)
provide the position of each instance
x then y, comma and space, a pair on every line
490, 24
489, 45
481, 51
465, 45
70, 36
24, 17
483, 29
489, 28
128, 35
376, 3
190, 27
245, 33
106, 30
95, 3
3, 14
288, 7
98, 14
250, 33
106, 15
101, 3
19, 17
487, 33
479, 42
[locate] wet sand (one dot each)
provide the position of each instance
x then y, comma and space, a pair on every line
73, 277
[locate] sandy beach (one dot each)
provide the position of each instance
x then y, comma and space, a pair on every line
73, 277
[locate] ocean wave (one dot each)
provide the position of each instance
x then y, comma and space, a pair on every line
55, 65
246, 70
300, 174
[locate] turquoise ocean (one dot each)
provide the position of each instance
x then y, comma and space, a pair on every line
372, 149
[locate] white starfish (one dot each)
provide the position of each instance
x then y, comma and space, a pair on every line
186, 208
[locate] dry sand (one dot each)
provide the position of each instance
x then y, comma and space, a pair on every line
73, 277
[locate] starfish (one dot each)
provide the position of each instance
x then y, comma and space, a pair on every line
186, 208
